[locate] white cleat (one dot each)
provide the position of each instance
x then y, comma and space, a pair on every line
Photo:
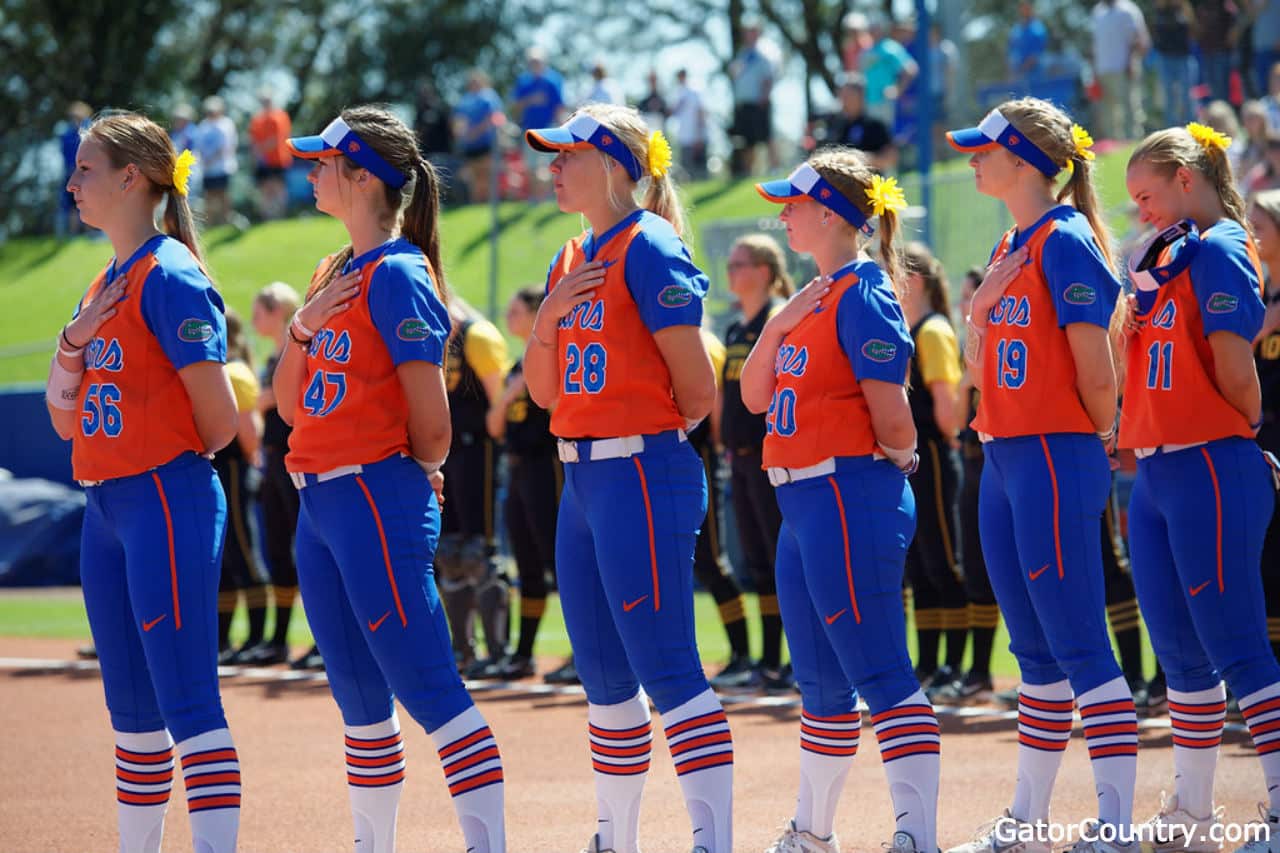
794, 840
1267, 839
1174, 829
1095, 844
594, 846
902, 843
1007, 834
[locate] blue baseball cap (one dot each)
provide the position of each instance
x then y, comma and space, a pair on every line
580, 132
339, 138
995, 130
805, 184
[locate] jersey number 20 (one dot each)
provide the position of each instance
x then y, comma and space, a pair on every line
585, 368
781, 417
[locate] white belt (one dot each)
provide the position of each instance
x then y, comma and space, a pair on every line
1144, 452
86, 484
782, 476
595, 449
301, 481
985, 438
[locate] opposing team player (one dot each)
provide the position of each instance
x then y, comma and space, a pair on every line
616, 353
831, 369
138, 386
364, 390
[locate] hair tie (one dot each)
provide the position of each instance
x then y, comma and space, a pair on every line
885, 194
1208, 137
659, 154
182, 171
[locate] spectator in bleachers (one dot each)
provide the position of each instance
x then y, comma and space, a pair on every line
1028, 40
886, 65
433, 125
652, 106
944, 65
603, 89
853, 127
752, 72
1215, 34
1171, 41
538, 102
475, 125
1265, 175
78, 114
183, 133
1271, 102
268, 131
1120, 40
1249, 145
216, 150
691, 127
1264, 17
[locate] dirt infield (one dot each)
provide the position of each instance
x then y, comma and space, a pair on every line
56, 789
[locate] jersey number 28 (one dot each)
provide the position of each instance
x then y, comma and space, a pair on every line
585, 368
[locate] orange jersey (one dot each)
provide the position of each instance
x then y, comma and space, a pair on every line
1028, 371
270, 131
613, 379
134, 410
1207, 284
351, 408
818, 410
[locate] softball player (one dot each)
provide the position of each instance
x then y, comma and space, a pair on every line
1204, 492
365, 393
831, 368
933, 568
616, 350
1046, 418
138, 386
758, 279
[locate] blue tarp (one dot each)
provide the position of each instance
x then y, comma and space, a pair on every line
39, 533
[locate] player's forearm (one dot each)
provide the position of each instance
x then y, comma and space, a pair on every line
757, 380
287, 381
540, 372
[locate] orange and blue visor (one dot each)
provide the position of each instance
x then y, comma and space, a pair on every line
995, 130
805, 184
581, 132
339, 138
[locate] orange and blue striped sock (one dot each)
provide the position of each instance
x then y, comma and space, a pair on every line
1261, 710
375, 779
910, 747
1045, 721
211, 773
621, 742
473, 772
827, 748
702, 751
1111, 733
1197, 719
144, 777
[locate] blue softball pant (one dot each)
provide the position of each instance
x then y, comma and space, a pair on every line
150, 561
624, 562
365, 547
841, 553
1039, 511
1197, 521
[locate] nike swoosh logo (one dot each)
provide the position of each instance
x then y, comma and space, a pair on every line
1038, 572
147, 626
901, 816
374, 626
1196, 590
628, 606
834, 616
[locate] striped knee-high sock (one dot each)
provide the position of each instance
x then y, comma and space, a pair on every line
1197, 719
1111, 732
473, 772
827, 747
211, 773
621, 736
144, 777
910, 747
1044, 727
1261, 710
375, 779
702, 751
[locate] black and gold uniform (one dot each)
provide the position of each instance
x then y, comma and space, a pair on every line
984, 613
1266, 356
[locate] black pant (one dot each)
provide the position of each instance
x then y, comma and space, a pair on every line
977, 585
932, 568
1269, 439
755, 507
470, 475
533, 503
709, 564
279, 518
240, 568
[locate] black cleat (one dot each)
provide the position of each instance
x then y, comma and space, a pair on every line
264, 654
777, 680
566, 674
738, 674
309, 661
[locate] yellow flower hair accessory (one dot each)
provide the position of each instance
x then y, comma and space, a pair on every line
885, 194
1083, 142
1208, 137
182, 170
659, 154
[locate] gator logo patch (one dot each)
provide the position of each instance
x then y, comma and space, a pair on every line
413, 329
1080, 294
1221, 303
881, 352
674, 296
193, 331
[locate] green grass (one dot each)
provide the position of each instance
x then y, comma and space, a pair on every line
41, 279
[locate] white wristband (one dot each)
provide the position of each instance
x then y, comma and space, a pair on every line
430, 467
296, 321
899, 457
63, 388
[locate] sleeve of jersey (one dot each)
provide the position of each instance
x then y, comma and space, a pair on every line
244, 385
412, 321
485, 349
185, 314
546, 287
874, 335
1226, 286
938, 353
666, 286
1084, 289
